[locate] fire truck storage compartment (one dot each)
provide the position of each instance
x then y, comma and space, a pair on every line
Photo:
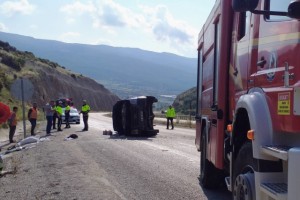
134, 116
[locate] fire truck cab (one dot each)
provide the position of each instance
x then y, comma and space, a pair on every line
248, 98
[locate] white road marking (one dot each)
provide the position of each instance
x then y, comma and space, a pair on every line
173, 151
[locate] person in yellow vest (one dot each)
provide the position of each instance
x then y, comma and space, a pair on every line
67, 115
59, 112
12, 122
170, 115
32, 117
85, 109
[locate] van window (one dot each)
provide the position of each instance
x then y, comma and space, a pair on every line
277, 5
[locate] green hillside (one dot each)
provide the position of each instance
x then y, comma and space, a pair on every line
185, 103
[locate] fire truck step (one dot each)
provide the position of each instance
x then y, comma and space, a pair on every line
277, 191
278, 151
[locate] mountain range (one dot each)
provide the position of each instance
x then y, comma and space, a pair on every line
126, 72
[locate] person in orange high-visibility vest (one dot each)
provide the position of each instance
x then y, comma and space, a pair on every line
12, 122
32, 117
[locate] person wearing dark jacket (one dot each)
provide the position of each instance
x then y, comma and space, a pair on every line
12, 122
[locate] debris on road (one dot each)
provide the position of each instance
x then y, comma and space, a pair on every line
107, 132
43, 139
27, 143
71, 137
28, 140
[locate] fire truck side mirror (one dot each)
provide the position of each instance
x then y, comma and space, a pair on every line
244, 5
294, 10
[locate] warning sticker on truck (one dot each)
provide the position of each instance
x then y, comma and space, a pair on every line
284, 104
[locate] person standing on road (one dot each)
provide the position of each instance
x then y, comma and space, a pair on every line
32, 117
85, 109
49, 109
67, 115
170, 115
59, 112
54, 116
12, 122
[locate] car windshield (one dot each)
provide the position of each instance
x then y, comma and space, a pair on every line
73, 111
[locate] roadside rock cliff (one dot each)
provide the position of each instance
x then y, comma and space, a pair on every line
50, 81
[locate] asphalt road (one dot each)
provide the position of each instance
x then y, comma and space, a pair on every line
97, 166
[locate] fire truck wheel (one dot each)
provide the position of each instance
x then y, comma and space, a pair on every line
244, 182
209, 176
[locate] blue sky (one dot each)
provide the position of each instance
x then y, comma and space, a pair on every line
155, 25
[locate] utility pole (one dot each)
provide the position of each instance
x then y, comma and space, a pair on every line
23, 107
190, 114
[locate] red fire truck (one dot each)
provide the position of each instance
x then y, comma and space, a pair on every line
248, 98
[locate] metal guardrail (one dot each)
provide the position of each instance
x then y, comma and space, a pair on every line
178, 117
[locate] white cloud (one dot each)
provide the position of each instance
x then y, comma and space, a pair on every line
158, 22
113, 14
102, 13
10, 8
33, 26
3, 27
165, 28
69, 36
78, 8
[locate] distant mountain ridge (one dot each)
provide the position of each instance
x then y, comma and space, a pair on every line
124, 71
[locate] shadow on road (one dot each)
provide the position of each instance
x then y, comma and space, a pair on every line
124, 137
216, 194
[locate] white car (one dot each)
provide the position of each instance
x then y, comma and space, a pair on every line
74, 116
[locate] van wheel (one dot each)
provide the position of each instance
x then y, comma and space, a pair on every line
244, 181
209, 176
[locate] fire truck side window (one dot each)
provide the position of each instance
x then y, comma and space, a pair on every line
277, 5
244, 24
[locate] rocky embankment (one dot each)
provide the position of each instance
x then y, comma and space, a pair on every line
52, 84
50, 81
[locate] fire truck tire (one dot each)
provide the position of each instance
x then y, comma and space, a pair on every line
209, 175
243, 175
